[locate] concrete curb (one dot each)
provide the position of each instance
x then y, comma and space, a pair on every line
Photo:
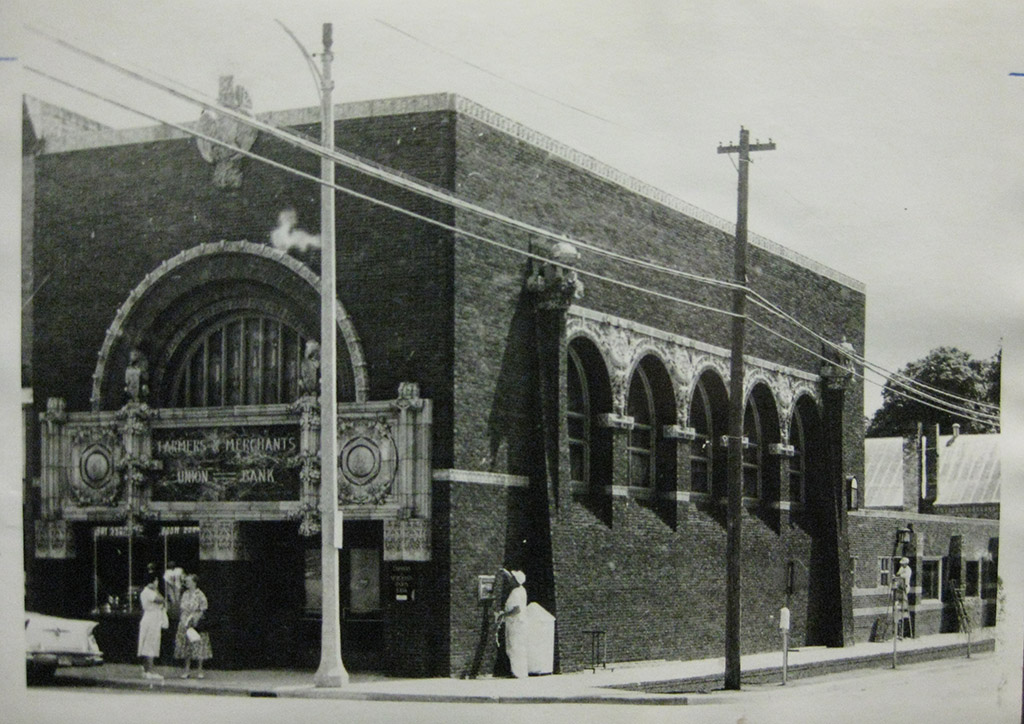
659, 692
773, 674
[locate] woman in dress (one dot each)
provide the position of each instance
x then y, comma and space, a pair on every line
151, 626
193, 609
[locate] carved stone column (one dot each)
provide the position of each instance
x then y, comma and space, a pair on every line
136, 438
308, 514
551, 287
53, 450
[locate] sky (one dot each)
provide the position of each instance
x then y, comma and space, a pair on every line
896, 124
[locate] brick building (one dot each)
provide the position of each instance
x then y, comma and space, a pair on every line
494, 408
935, 500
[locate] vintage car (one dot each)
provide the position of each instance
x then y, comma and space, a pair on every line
51, 641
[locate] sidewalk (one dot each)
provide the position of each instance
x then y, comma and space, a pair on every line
648, 682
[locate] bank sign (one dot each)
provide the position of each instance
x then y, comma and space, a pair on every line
227, 463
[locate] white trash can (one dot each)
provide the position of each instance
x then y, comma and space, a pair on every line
540, 639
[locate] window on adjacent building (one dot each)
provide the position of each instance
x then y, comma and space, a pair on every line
885, 571
931, 578
972, 577
244, 359
640, 407
578, 420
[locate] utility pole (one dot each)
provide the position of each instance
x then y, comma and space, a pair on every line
331, 672
734, 468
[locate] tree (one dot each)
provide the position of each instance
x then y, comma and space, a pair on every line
951, 371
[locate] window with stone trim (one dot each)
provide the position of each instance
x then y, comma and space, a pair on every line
578, 419
798, 461
588, 398
641, 446
702, 447
931, 578
751, 452
885, 571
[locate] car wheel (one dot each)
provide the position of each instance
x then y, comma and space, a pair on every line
39, 673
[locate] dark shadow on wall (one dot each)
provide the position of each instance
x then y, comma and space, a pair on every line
513, 414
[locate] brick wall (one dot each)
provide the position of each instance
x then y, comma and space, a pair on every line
654, 582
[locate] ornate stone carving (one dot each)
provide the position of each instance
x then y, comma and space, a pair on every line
309, 372
409, 396
226, 171
54, 539
553, 284
97, 460
837, 373
719, 363
367, 461
221, 540
136, 377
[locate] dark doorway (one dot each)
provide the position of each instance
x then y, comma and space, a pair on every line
362, 610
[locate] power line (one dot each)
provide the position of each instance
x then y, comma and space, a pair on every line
493, 74
961, 412
381, 173
371, 199
896, 379
455, 230
395, 178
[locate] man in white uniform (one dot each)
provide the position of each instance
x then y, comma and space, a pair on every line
514, 617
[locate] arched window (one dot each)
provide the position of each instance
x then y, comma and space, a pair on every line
640, 406
588, 394
242, 359
798, 462
751, 452
578, 419
702, 447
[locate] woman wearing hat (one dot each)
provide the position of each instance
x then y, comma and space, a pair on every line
514, 617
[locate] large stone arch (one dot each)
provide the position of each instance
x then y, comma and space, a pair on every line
176, 290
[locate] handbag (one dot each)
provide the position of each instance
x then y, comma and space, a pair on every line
164, 621
192, 635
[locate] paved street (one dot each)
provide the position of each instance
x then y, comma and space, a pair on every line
947, 691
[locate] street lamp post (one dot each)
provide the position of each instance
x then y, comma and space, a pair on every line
331, 672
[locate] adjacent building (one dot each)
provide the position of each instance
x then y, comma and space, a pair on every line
933, 499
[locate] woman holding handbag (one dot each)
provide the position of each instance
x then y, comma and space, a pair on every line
191, 641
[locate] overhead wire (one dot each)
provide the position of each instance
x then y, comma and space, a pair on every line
896, 379
965, 413
376, 171
380, 202
418, 187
